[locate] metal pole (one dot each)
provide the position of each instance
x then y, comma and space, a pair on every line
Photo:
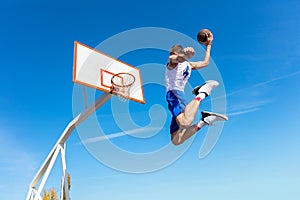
47, 165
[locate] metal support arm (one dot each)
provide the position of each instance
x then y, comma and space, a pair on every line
35, 194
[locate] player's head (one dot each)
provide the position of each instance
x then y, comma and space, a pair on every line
177, 49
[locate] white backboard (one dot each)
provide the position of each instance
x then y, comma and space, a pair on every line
95, 69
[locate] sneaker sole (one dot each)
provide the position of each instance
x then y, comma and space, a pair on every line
196, 89
217, 115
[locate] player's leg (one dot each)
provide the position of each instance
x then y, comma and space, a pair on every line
208, 118
185, 119
181, 135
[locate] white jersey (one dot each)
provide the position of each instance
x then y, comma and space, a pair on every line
177, 77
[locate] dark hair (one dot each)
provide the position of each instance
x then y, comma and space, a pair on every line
176, 49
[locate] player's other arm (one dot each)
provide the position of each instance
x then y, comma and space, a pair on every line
205, 62
175, 58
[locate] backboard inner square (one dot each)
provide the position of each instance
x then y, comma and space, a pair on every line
105, 78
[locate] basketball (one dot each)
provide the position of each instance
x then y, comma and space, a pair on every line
202, 36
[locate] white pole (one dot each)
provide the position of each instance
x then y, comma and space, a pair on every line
47, 172
48, 163
84, 97
64, 183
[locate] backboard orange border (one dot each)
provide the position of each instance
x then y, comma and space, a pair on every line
104, 89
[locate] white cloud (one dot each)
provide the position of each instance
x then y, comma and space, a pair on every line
259, 85
276, 79
255, 105
242, 112
120, 134
13, 159
17, 166
248, 105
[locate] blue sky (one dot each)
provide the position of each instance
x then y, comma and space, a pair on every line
256, 49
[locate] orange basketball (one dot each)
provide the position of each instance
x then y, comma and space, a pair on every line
202, 36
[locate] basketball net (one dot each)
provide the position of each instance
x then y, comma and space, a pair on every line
121, 84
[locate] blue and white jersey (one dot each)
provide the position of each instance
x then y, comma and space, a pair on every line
177, 77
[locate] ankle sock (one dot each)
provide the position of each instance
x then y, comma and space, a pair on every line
201, 96
200, 125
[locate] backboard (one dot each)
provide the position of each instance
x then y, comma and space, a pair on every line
95, 69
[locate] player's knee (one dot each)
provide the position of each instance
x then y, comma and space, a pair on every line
185, 123
175, 138
176, 142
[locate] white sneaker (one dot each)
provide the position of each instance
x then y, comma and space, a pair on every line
210, 117
205, 88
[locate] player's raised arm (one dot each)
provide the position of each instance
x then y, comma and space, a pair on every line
205, 38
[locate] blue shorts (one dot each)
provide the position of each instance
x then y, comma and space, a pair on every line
176, 104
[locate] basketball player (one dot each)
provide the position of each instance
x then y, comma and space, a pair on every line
177, 74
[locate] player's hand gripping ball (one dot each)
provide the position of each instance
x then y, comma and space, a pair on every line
205, 37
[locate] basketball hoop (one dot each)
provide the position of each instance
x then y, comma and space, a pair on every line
121, 84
